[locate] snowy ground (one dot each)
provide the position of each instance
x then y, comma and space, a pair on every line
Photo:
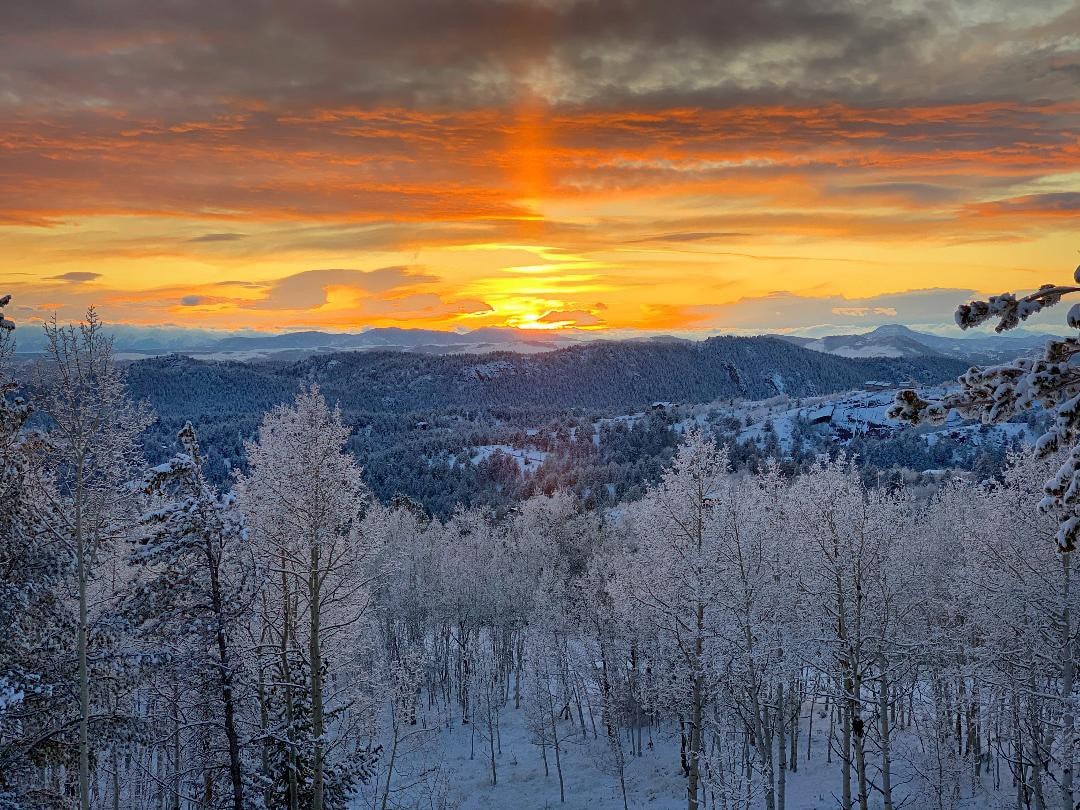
527, 459
842, 416
437, 773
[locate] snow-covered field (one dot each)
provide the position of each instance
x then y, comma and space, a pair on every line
461, 756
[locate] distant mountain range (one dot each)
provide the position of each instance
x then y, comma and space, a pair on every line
425, 341
604, 374
156, 340
896, 340
893, 340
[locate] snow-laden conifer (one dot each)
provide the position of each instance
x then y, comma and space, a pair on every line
37, 663
196, 590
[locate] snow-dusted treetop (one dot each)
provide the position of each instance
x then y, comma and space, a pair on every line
4, 322
997, 393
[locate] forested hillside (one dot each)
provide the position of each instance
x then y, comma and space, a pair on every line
598, 375
430, 427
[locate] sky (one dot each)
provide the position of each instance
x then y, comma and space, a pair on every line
676, 166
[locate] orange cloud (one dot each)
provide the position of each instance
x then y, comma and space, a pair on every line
660, 212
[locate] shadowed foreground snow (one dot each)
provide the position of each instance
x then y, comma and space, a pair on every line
438, 774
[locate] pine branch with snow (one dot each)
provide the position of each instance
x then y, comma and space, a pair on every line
998, 393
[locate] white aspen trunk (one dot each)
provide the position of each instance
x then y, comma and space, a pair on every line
1068, 720
693, 776
845, 756
781, 779
315, 652
290, 754
885, 742
83, 641
553, 717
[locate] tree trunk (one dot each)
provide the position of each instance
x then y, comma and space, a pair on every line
795, 698
225, 680
1068, 720
264, 726
82, 643
845, 756
693, 774
177, 787
315, 652
884, 731
781, 780
491, 724
554, 719
293, 785
859, 736
393, 757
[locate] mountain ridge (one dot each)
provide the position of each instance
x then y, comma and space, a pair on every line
898, 340
594, 375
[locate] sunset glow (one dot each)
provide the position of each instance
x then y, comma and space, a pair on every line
520, 164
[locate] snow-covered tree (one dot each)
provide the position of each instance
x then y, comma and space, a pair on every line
94, 454
36, 661
671, 575
196, 589
6, 324
855, 569
304, 500
1000, 392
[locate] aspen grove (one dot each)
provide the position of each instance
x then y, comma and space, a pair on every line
289, 641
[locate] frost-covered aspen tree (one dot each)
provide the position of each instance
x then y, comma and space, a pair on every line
671, 577
956, 635
1024, 596
846, 530
402, 595
604, 638
756, 623
547, 701
469, 576
406, 737
93, 430
304, 499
